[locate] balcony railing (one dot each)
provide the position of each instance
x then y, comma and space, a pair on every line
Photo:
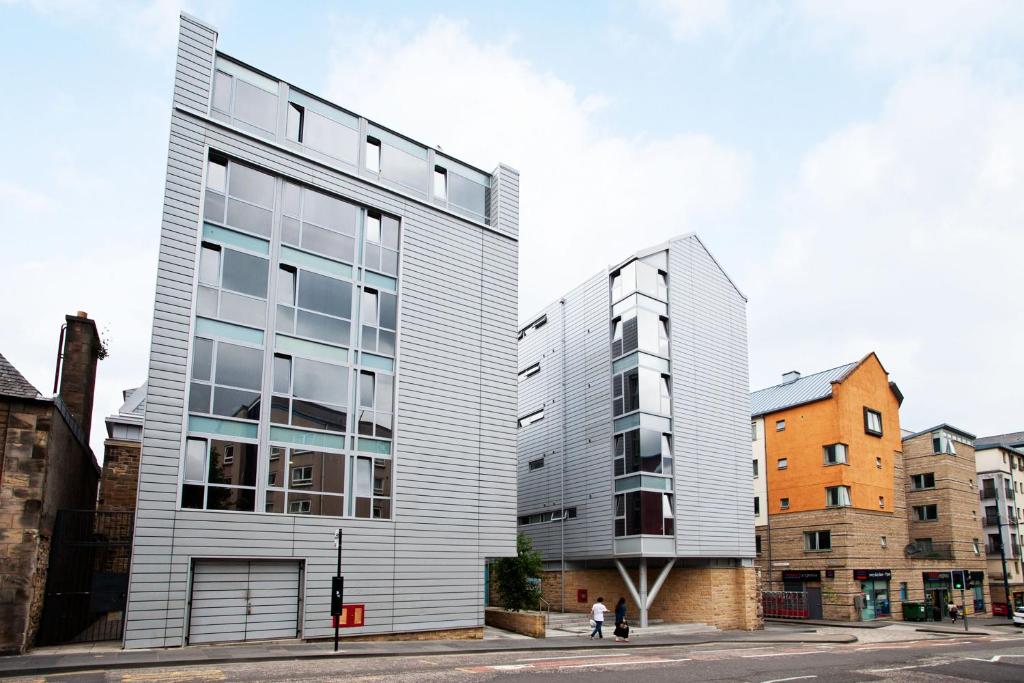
991, 520
936, 551
986, 494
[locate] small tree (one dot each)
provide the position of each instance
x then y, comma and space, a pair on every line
514, 576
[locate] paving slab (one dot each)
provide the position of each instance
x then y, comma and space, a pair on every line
50, 662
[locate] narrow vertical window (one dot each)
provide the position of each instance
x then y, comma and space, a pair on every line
373, 227
209, 265
296, 119
366, 389
286, 286
372, 155
440, 183
370, 307
216, 176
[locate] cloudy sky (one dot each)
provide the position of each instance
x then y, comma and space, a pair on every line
856, 166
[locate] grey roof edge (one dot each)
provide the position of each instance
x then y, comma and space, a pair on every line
667, 244
791, 405
1011, 438
998, 446
661, 246
183, 15
943, 426
819, 372
312, 93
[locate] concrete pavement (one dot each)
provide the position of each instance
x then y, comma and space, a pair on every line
976, 658
69, 659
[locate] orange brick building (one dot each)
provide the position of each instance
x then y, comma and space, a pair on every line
831, 495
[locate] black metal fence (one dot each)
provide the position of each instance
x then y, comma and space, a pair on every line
87, 580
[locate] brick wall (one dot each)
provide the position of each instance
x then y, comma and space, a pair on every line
727, 598
78, 368
45, 469
120, 479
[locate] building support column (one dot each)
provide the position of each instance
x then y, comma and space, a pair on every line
640, 595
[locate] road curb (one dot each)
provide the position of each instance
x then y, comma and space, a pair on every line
109, 666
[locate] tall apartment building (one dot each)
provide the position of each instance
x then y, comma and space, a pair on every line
633, 479
840, 484
1000, 472
942, 511
363, 286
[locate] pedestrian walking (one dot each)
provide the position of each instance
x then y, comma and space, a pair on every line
621, 627
954, 612
597, 616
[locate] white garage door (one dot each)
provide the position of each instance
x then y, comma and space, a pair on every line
244, 600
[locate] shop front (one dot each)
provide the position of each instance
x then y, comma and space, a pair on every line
978, 589
808, 582
936, 594
874, 593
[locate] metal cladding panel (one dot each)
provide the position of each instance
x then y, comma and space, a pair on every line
454, 478
572, 349
711, 407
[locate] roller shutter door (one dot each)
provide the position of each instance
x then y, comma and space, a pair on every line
237, 600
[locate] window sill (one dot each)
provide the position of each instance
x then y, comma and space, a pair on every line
827, 550
832, 464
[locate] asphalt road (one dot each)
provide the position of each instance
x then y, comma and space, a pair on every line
978, 658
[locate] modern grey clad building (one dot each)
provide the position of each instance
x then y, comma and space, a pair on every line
634, 466
333, 347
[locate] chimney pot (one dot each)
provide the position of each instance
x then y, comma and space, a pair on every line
790, 377
78, 368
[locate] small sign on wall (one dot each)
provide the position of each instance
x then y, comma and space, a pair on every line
351, 615
581, 595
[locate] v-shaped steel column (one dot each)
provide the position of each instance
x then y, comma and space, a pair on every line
640, 594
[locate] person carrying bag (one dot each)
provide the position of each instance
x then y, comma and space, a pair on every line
621, 625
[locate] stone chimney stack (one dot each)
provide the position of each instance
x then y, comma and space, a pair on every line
81, 352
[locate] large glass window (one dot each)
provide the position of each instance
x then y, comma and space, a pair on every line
226, 379
239, 196
640, 276
323, 128
643, 450
305, 482
400, 161
313, 305
644, 512
319, 223
641, 388
638, 328
219, 475
310, 394
245, 99
837, 496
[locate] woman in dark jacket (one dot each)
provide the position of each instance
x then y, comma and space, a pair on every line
621, 627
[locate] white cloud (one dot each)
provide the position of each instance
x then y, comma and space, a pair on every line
150, 26
690, 19
903, 235
114, 285
883, 32
587, 197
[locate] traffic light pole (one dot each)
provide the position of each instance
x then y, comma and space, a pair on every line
338, 573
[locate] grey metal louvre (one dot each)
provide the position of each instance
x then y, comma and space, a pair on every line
239, 600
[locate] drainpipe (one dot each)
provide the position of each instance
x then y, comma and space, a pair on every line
562, 459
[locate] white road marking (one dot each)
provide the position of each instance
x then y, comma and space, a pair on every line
787, 654
734, 649
643, 661
794, 678
583, 656
994, 658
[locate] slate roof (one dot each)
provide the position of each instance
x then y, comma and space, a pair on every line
804, 390
1013, 439
13, 383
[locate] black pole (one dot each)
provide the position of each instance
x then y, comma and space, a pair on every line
338, 573
1002, 556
